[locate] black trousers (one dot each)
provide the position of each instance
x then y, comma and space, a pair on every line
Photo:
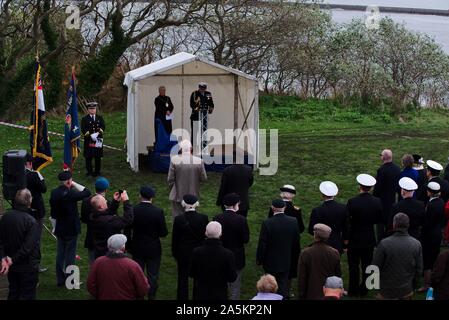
282, 280
358, 258
152, 266
22, 285
182, 291
97, 164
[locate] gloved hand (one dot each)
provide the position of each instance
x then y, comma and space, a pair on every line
77, 186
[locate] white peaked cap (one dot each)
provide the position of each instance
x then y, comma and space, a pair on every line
434, 165
408, 184
366, 180
328, 188
434, 186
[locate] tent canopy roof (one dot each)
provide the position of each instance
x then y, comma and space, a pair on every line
173, 62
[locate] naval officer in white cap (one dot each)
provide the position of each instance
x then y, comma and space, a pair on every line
364, 212
332, 214
413, 208
433, 175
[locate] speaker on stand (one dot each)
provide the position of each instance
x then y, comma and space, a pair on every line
14, 173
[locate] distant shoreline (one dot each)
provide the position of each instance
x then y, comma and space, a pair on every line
385, 9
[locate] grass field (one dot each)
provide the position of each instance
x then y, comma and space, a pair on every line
317, 141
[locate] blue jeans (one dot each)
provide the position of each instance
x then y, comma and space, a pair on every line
66, 253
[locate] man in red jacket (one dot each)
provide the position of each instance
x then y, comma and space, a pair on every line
115, 276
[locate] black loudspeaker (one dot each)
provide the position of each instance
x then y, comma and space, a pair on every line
14, 174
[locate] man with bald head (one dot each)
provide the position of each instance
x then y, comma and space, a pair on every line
105, 222
386, 187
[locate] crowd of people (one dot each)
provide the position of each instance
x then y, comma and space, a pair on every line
396, 224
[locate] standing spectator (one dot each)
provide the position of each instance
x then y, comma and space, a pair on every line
36, 185
19, 248
433, 174
364, 212
278, 241
93, 127
399, 258
288, 192
185, 174
106, 222
385, 189
188, 234
64, 209
413, 208
147, 228
333, 288
115, 276
332, 214
316, 263
267, 288
440, 277
237, 178
213, 267
101, 187
431, 231
408, 170
235, 234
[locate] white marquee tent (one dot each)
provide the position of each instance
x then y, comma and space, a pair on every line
235, 97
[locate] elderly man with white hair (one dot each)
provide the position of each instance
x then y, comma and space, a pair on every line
185, 174
115, 276
213, 267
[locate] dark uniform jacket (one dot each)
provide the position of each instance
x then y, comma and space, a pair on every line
316, 263
386, 187
107, 223
294, 212
237, 178
433, 222
364, 211
188, 233
212, 268
414, 209
235, 234
36, 187
440, 277
444, 187
162, 105
334, 215
278, 241
205, 103
147, 227
400, 261
88, 127
86, 212
64, 208
19, 240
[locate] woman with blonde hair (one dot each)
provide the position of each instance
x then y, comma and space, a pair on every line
267, 288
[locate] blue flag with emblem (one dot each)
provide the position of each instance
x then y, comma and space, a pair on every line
39, 142
71, 128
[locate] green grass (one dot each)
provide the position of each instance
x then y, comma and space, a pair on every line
318, 140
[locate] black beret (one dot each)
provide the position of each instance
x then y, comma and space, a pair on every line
190, 199
147, 192
278, 203
64, 176
231, 199
418, 159
28, 157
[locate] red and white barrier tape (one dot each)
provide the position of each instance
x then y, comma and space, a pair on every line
49, 132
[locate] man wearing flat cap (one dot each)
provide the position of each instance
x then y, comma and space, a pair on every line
202, 105
278, 242
364, 212
413, 208
93, 127
316, 263
64, 209
433, 174
188, 234
101, 187
235, 234
332, 214
147, 228
431, 232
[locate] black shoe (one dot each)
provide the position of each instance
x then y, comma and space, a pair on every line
88, 174
95, 174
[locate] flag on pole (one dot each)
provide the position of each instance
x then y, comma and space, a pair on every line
39, 142
71, 128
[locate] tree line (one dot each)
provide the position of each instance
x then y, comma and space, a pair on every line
293, 48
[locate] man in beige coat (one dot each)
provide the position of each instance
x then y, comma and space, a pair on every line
184, 176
